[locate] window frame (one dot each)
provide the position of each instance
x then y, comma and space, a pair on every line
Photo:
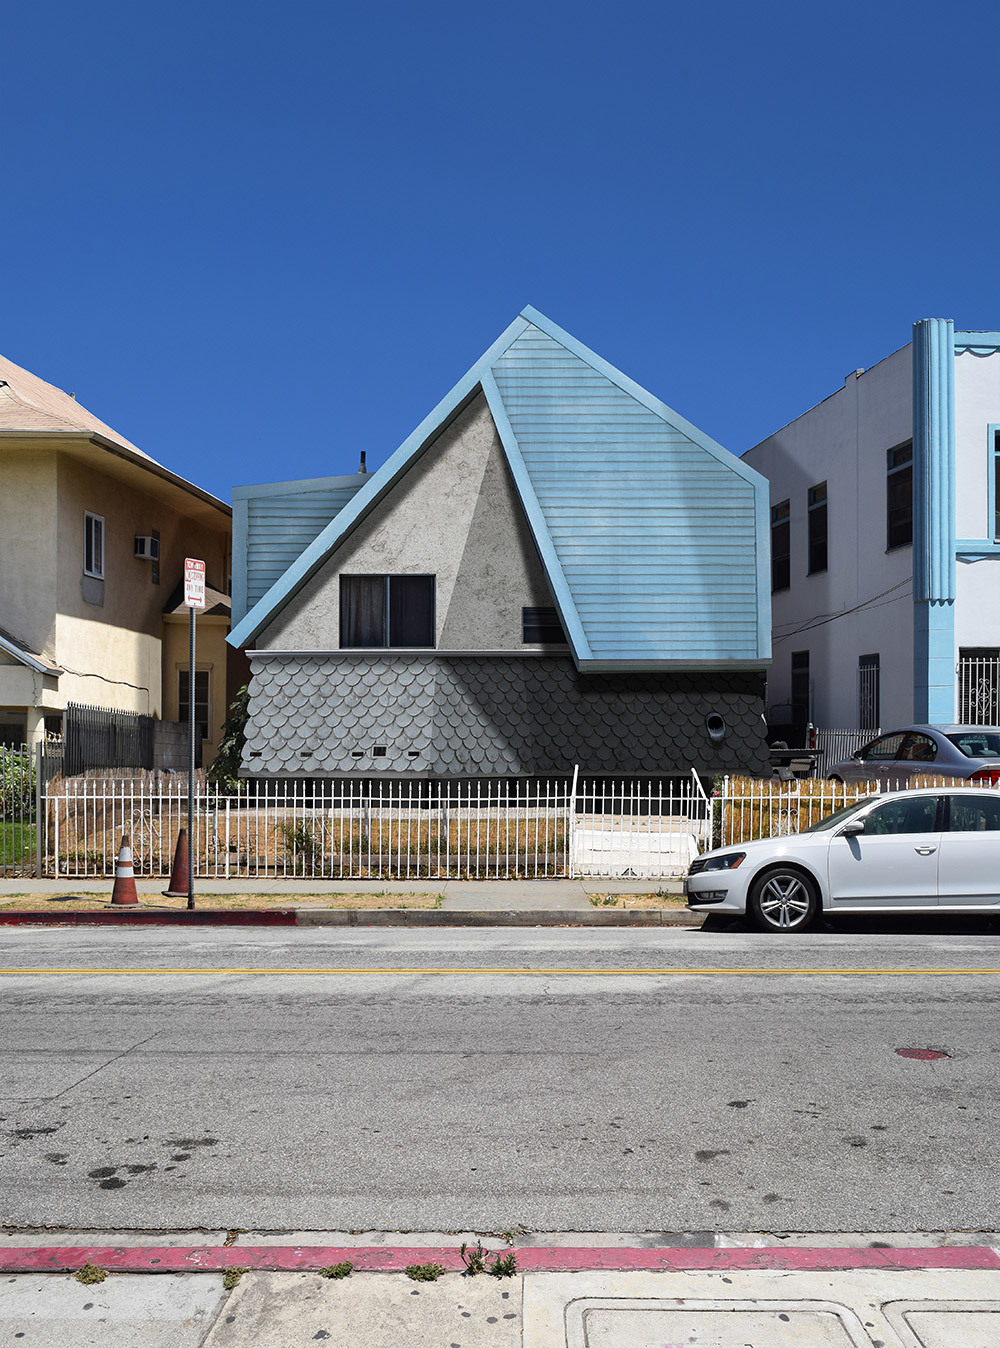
781, 518
816, 511
894, 473
387, 578
90, 520
993, 482
183, 672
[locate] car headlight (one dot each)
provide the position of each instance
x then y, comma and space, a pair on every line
728, 861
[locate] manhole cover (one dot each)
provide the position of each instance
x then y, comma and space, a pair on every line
924, 1054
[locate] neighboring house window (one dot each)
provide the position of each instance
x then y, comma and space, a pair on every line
996, 486
781, 571
817, 528
541, 624
93, 545
202, 712
800, 686
386, 611
899, 496
978, 685
869, 692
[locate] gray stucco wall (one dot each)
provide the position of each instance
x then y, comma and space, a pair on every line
455, 514
323, 716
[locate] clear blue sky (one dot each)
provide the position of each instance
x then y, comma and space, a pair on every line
259, 238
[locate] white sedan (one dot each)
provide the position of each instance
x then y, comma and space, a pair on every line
907, 852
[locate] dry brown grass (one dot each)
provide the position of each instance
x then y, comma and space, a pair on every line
764, 807
98, 901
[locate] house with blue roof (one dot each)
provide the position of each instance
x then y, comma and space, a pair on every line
554, 570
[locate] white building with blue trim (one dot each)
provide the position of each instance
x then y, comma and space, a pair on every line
885, 541
555, 569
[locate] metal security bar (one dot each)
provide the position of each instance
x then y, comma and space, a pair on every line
836, 745
96, 737
380, 830
979, 690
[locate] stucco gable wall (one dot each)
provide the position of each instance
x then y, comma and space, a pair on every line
27, 547
454, 514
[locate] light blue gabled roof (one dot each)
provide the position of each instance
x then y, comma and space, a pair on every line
653, 536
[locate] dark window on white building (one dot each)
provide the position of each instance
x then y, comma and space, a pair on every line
817, 528
781, 570
869, 692
899, 496
801, 692
386, 611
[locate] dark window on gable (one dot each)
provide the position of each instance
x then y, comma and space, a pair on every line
899, 495
781, 572
541, 624
996, 486
817, 528
386, 611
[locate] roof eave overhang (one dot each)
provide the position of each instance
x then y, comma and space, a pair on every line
65, 439
23, 658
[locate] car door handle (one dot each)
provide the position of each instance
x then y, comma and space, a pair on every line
925, 851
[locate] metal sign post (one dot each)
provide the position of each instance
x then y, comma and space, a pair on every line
194, 597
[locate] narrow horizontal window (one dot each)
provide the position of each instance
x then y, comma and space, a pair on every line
541, 625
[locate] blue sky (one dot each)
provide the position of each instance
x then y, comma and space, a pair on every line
260, 238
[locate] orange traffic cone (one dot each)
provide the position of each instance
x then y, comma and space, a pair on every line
178, 886
124, 890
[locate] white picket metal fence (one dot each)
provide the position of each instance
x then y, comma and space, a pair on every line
358, 830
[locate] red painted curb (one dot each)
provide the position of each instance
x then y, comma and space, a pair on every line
534, 1259
132, 917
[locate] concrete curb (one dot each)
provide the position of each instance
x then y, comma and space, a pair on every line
358, 917
531, 1259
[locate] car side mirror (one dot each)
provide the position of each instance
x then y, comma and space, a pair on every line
858, 757
851, 829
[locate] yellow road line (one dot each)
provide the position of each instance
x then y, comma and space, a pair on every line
479, 969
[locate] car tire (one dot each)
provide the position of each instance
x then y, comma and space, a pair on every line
783, 899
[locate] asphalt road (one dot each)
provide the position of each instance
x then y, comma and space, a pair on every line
669, 1080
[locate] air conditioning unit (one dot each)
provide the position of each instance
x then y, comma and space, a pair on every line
147, 547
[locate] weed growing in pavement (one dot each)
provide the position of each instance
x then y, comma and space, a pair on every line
604, 900
337, 1270
474, 1258
232, 1276
503, 1266
90, 1273
424, 1272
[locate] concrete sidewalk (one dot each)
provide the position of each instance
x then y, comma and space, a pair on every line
562, 1297
459, 895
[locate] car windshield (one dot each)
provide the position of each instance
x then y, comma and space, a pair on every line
977, 743
838, 816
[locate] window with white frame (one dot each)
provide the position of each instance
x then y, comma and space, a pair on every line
93, 545
202, 703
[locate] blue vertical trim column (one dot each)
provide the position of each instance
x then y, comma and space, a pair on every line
934, 521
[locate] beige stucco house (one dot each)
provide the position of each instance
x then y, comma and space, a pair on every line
93, 536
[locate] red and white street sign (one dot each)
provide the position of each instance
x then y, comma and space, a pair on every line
194, 583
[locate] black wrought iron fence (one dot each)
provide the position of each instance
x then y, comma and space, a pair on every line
96, 737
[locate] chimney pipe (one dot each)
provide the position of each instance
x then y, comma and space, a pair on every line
362, 468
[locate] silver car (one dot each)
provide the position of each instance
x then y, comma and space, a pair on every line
905, 852
968, 751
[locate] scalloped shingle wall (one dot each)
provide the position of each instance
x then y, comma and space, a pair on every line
492, 717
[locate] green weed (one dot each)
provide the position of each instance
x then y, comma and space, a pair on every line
343, 1270
232, 1276
90, 1273
424, 1272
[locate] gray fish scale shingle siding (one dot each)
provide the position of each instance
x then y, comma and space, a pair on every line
492, 717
